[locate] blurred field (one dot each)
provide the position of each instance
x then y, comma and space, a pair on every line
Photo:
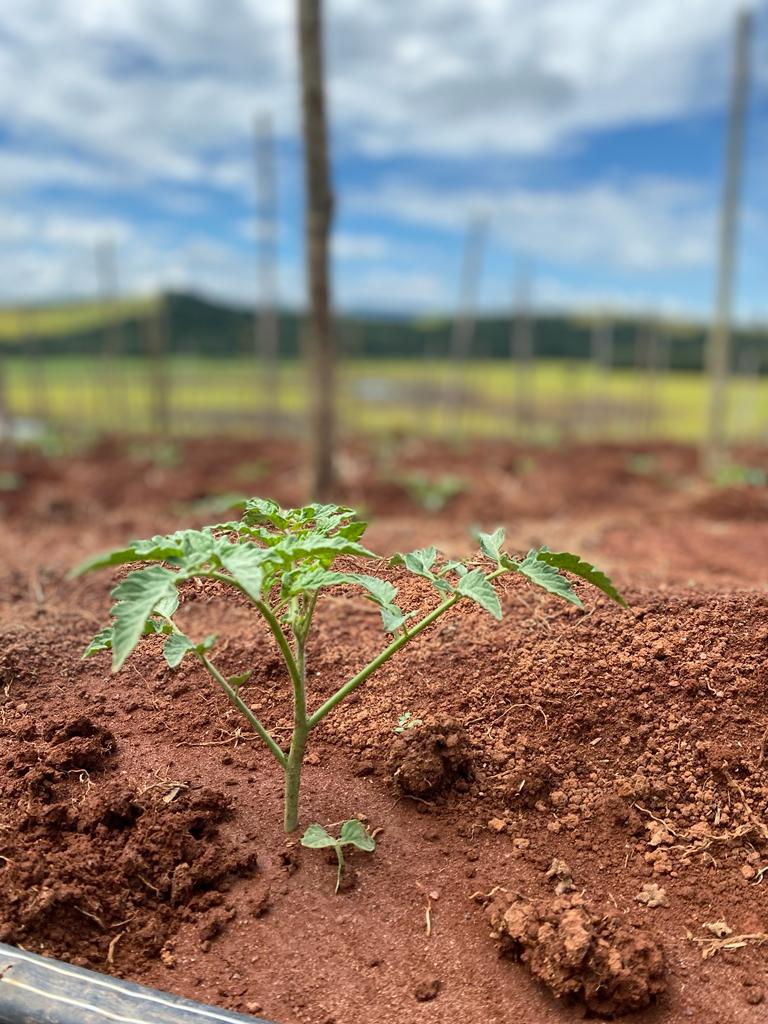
429, 397
70, 318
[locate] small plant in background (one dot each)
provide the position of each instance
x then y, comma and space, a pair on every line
736, 475
353, 833
281, 560
162, 454
642, 463
9, 481
432, 493
406, 721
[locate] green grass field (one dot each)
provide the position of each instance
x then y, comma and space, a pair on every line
65, 319
420, 397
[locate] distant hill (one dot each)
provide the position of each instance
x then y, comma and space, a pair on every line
198, 326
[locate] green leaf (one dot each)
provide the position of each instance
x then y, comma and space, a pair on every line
545, 576
353, 530
167, 605
475, 586
458, 567
246, 563
354, 833
137, 597
175, 648
393, 618
380, 591
316, 838
576, 565
160, 547
261, 511
491, 543
322, 550
101, 642
421, 561
119, 556
240, 680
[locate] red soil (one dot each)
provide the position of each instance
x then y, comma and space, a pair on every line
140, 833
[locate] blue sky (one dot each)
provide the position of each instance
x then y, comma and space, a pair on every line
587, 136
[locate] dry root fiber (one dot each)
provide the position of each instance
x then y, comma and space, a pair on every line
579, 954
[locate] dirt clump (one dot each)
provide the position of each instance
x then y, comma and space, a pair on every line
431, 758
87, 859
578, 952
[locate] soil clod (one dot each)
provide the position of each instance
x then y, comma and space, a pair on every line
431, 759
579, 953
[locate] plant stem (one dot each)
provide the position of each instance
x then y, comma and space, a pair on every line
386, 654
269, 617
340, 871
244, 710
301, 729
377, 662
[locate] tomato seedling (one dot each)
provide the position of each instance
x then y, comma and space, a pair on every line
353, 833
280, 560
405, 722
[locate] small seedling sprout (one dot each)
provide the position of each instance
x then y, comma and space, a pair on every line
280, 560
406, 721
432, 493
353, 833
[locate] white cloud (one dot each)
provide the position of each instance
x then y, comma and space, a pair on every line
350, 245
130, 102
647, 225
163, 89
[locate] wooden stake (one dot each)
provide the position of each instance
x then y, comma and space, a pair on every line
718, 346
318, 222
267, 341
156, 333
463, 332
521, 345
108, 290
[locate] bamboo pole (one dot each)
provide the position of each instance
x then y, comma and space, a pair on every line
719, 341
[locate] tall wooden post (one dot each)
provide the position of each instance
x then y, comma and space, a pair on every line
156, 332
522, 351
718, 345
114, 405
265, 320
463, 333
318, 221
39, 405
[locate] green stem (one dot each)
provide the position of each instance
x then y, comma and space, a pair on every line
386, 654
244, 710
295, 758
274, 625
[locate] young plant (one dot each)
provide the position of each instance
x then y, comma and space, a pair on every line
353, 833
281, 560
432, 493
405, 722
